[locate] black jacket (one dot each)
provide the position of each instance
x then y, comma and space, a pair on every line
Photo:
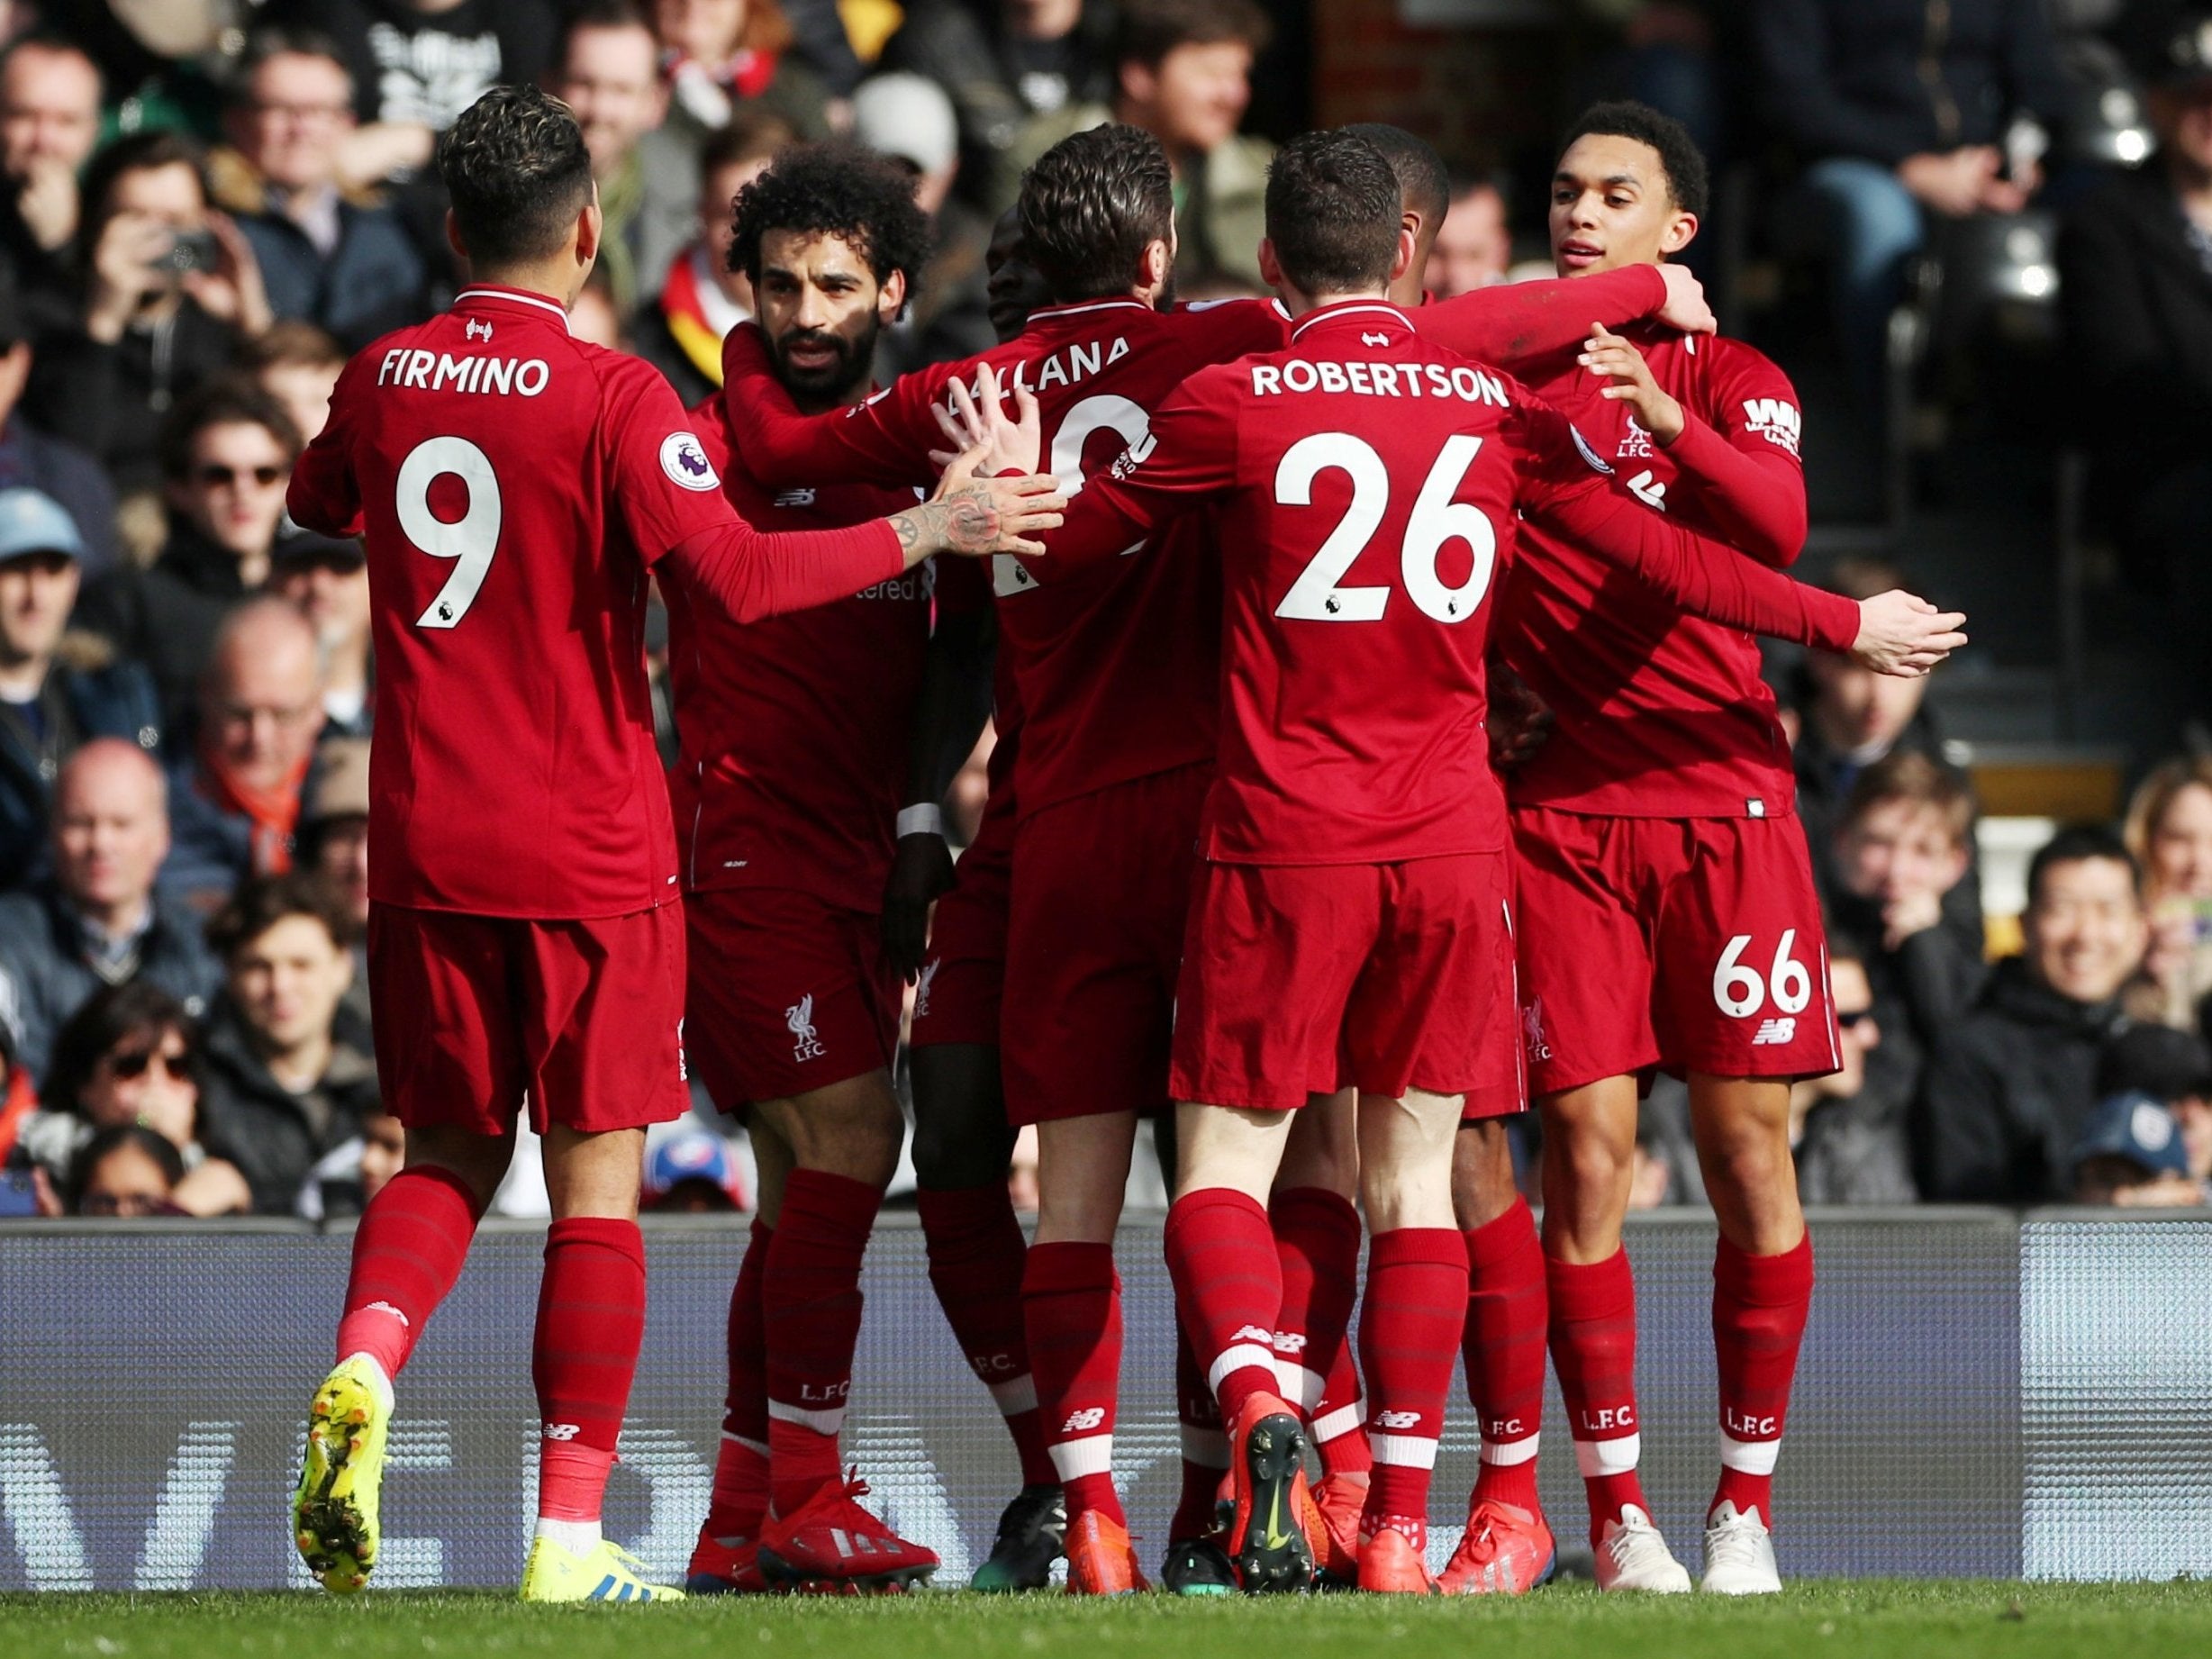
275, 1137
2007, 1092
49, 975
1885, 79
114, 700
2137, 301
168, 616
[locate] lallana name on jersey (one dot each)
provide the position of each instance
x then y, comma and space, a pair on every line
441, 371
1068, 366
1380, 380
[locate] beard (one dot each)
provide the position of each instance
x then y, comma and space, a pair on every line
829, 382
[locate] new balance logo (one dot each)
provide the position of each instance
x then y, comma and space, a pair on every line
1653, 496
562, 1431
1773, 1031
800, 1019
478, 329
1089, 1418
1290, 1342
1777, 422
921, 987
1254, 1333
1398, 1420
795, 498
385, 1307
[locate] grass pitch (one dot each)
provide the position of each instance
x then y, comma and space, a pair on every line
1879, 1620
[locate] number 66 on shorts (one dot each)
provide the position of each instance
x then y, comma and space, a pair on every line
1690, 944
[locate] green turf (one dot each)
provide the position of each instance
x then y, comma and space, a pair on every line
1835, 1620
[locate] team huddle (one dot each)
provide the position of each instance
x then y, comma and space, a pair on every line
1381, 746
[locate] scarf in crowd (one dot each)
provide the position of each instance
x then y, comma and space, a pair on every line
699, 314
272, 815
709, 94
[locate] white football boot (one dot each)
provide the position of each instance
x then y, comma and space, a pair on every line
1739, 1554
1632, 1555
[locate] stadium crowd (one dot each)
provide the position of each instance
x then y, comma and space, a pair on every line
201, 222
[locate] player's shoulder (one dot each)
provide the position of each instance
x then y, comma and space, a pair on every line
1252, 324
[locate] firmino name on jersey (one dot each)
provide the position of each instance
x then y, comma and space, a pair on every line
441, 371
1380, 380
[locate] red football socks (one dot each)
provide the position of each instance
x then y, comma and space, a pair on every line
1594, 1349
591, 1321
1317, 1239
1071, 1305
1759, 1307
812, 1317
407, 1252
1229, 1290
1503, 1348
1409, 1328
976, 1251
1205, 1443
742, 1462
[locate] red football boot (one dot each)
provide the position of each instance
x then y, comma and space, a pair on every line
1506, 1551
1267, 1539
1100, 1559
719, 1569
834, 1546
1390, 1559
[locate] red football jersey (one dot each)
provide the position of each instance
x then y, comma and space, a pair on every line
512, 486
1660, 714
793, 730
1367, 485
1120, 671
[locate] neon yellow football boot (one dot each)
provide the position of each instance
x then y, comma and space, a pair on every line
606, 1573
334, 1510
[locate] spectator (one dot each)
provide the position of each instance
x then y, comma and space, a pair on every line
1473, 247
608, 71
702, 299
287, 1083
2168, 828
694, 1172
235, 803
57, 691
329, 582
2135, 293
1003, 62
416, 64
1901, 109
2131, 1154
948, 309
130, 1057
297, 364
1845, 719
126, 1172
31, 460
226, 456
724, 56
334, 845
99, 920
1183, 71
343, 261
1902, 846
2009, 1089
170, 291
1849, 1145
343, 1183
50, 121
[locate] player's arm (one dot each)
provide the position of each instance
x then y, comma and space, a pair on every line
1750, 483
950, 708
1509, 323
1891, 633
323, 495
878, 442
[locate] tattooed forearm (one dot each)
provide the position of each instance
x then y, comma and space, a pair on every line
910, 531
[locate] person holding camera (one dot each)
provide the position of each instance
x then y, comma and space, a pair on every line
170, 289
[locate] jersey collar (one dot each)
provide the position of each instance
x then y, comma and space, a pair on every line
1084, 308
1350, 313
489, 294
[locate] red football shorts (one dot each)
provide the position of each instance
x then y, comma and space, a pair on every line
1693, 944
477, 1014
1299, 979
1093, 942
1502, 1088
957, 998
787, 994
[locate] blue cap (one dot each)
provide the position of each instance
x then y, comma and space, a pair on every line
35, 523
2134, 1126
693, 1155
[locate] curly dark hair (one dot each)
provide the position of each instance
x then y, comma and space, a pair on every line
1089, 206
1680, 159
516, 170
1333, 213
841, 190
231, 399
134, 1015
264, 902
